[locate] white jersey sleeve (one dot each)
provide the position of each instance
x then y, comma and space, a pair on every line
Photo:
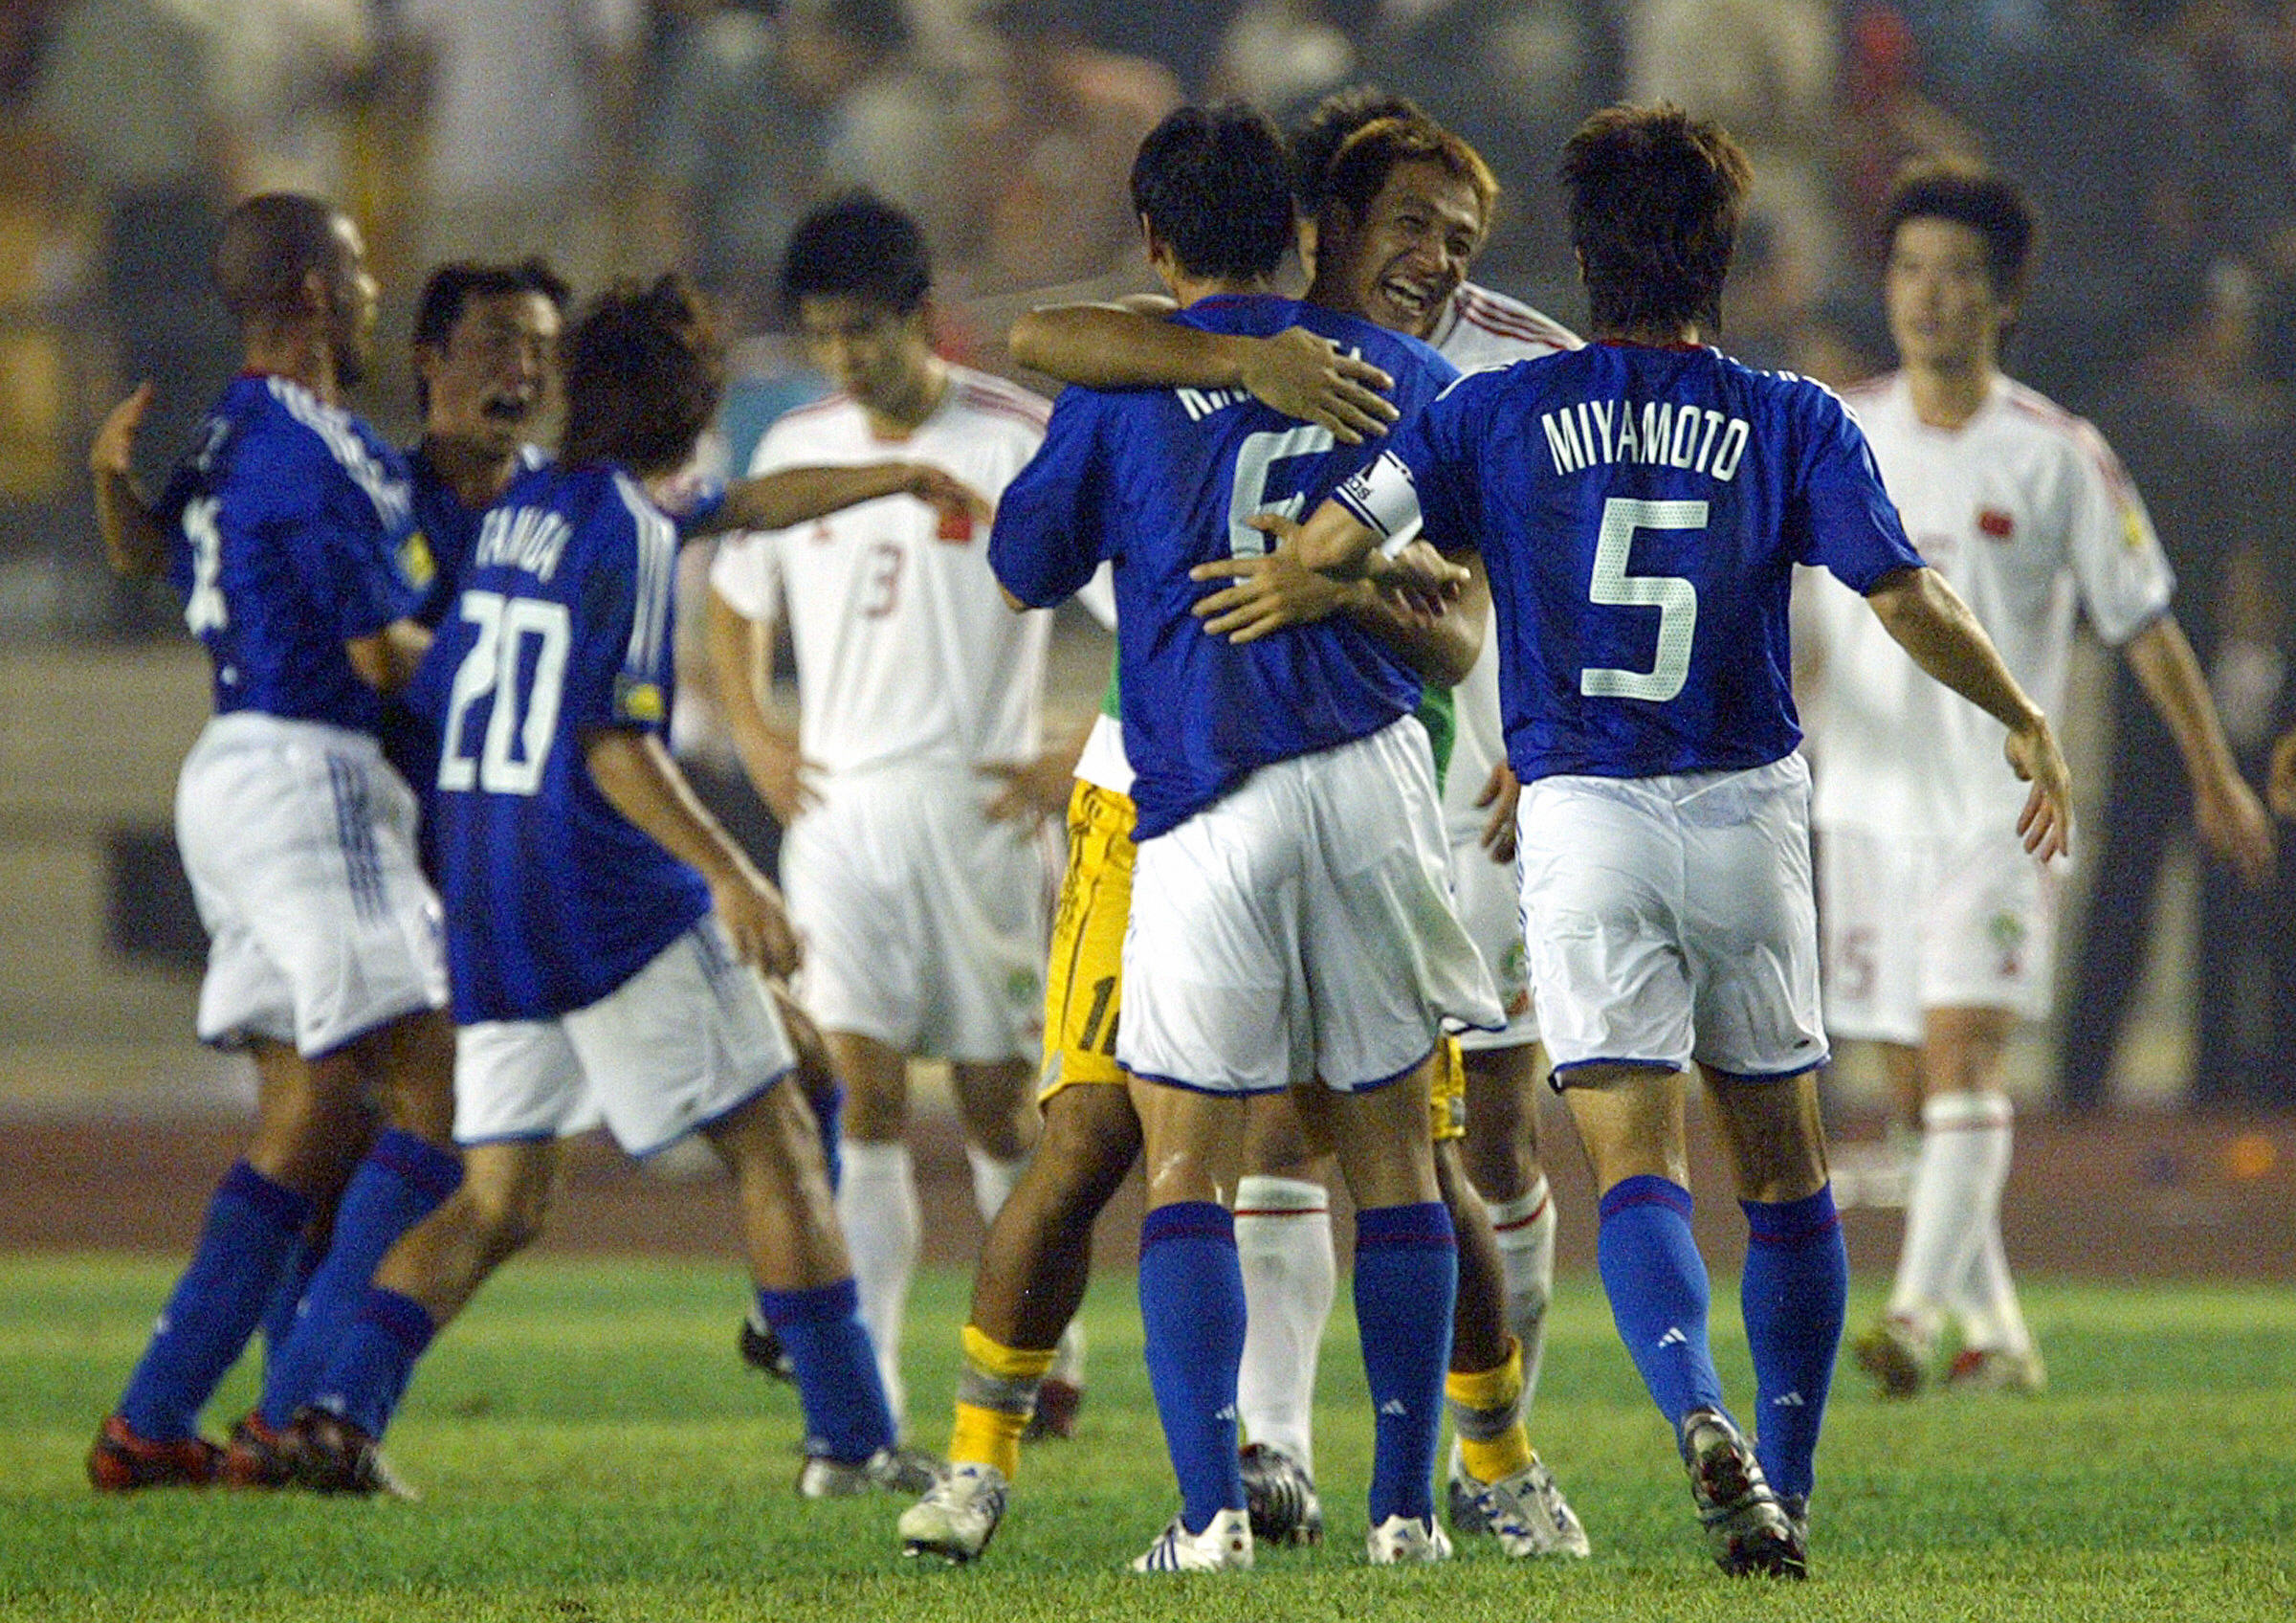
747, 573
2125, 582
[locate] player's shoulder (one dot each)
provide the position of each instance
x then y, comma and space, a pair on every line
832, 419
2026, 412
998, 402
1483, 322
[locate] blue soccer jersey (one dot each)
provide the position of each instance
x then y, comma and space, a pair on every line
287, 526
563, 626
1159, 480
1640, 511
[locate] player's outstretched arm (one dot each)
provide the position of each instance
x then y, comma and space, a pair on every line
639, 779
741, 666
2230, 818
1272, 590
1300, 373
1334, 541
793, 496
135, 544
1927, 617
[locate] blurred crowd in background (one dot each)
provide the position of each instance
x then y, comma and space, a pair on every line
2156, 137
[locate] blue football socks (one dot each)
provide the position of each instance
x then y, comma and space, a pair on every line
252, 1230
1657, 1285
1192, 1310
847, 1417
374, 1360
295, 1272
1406, 1276
1794, 1294
402, 1181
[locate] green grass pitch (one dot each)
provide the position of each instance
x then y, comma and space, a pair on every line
589, 1450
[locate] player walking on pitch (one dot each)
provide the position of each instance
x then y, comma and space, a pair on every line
1640, 504
912, 790
1939, 931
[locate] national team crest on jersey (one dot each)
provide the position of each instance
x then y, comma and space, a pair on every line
416, 563
1996, 524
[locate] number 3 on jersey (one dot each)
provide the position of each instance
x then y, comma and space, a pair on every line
524, 717
1675, 598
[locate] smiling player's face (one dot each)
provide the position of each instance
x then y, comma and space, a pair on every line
1400, 264
491, 382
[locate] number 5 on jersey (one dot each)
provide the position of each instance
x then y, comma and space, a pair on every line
523, 717
1675, 598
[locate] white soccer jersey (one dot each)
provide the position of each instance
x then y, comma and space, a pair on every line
2027, 512
1483, 328
906, 651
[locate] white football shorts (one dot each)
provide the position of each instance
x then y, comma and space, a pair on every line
922, 921
1915, 924
686, 1042
1487, 898
1301, 926
1670, 920
299, 839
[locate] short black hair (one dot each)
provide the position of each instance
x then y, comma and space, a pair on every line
456, 283
268, 244
856, 246
1969, 194
1656, 200
1211, 183
644, 369
1317, 136
453, 285
1359, 169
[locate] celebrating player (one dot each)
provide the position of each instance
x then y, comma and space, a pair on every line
283, 530
1939, 929
911, 789
1289, 913
1395, 217
1640, 504
604, 933
1033, 1272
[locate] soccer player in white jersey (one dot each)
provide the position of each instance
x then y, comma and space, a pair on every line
911, 791
1639, 504
284, 530
1938, 928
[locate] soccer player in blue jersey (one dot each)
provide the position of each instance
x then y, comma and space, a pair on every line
283, 530
1288, 907
1640, 504
605, 934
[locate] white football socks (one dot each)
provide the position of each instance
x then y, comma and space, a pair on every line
1284, 1238
876, 1207
1525, 1230
1953, 1206
992, 1180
